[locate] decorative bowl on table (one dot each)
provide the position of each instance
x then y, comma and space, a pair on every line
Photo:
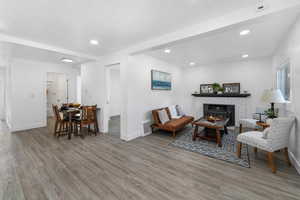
213, 119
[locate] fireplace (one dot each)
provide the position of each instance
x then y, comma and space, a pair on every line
220, 110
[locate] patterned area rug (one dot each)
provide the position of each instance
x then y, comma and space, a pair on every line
209, 148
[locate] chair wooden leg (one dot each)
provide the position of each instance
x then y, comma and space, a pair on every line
255, 150
60, 129
95, 129
271, 162
55, 128
241, 128
239, 149
174, 134
287, 158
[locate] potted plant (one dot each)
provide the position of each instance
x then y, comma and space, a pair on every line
221, 90
271, 114
216, 87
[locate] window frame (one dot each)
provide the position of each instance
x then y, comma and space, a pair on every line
284, 65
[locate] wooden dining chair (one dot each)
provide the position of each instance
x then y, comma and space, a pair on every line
61, 125
88, 117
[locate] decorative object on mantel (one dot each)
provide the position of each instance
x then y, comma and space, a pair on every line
272, 96
215, 90
160, 80
216, 87
232, 88
206, 89
222, 95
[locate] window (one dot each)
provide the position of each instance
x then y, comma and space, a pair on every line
284, 81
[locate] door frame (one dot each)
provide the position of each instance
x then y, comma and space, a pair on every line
108, 95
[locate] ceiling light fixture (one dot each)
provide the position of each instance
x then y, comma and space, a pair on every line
167, 50
94, 42
245, 32
192, 63
245, 56
66, 60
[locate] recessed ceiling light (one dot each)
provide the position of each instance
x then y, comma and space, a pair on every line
66, 60
245, 56
167, 50
94, 42
192, 63
245, 32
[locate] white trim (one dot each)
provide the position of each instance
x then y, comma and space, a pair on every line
30, 43
148, 133
27, 127
131, 137
294, 161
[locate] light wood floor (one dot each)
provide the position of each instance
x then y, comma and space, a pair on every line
35, 165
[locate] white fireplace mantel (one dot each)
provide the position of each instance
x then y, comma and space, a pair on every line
241, 108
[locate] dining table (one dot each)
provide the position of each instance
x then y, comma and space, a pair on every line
70, 112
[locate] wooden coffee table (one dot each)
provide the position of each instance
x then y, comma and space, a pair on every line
211, 131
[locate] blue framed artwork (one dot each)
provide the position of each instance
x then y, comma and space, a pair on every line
161, 80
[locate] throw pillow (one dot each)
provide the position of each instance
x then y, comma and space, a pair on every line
173, 112
265, 133
180, 111
163, 116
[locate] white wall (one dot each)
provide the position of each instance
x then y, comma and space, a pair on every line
115, 92
28, 97
254, 76
137, 98
2, 93
141, 99
289, 49
93, 92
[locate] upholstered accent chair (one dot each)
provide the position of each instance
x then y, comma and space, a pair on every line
272, 139
250, 123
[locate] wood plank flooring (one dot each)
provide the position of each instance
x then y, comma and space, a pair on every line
36, 166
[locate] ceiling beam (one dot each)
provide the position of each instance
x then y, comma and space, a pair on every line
30, 43
215, 24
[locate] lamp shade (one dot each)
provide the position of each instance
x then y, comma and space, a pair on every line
273, 96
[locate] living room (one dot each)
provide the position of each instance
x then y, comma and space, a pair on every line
213, 57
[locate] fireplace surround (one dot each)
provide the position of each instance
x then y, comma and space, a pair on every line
220, 110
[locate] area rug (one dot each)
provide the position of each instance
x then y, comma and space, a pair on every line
209, 148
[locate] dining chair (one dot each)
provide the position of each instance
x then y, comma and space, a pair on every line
272, 139
88, 117
61, 125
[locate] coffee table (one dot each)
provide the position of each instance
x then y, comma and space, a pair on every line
211, 131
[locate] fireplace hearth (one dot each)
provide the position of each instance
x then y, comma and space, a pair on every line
220, 110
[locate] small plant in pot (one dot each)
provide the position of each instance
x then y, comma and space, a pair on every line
216, 87
221, 90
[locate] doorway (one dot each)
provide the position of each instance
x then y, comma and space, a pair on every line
114, 99
57, 91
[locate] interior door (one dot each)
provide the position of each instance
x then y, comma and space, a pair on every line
56, 91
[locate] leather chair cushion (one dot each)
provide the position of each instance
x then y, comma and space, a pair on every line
178, 123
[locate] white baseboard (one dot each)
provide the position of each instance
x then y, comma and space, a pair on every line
27, 127
148, 133
295, 162
131, 137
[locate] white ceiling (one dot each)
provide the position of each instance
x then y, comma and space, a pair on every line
226, 45
70, 24
31, 53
